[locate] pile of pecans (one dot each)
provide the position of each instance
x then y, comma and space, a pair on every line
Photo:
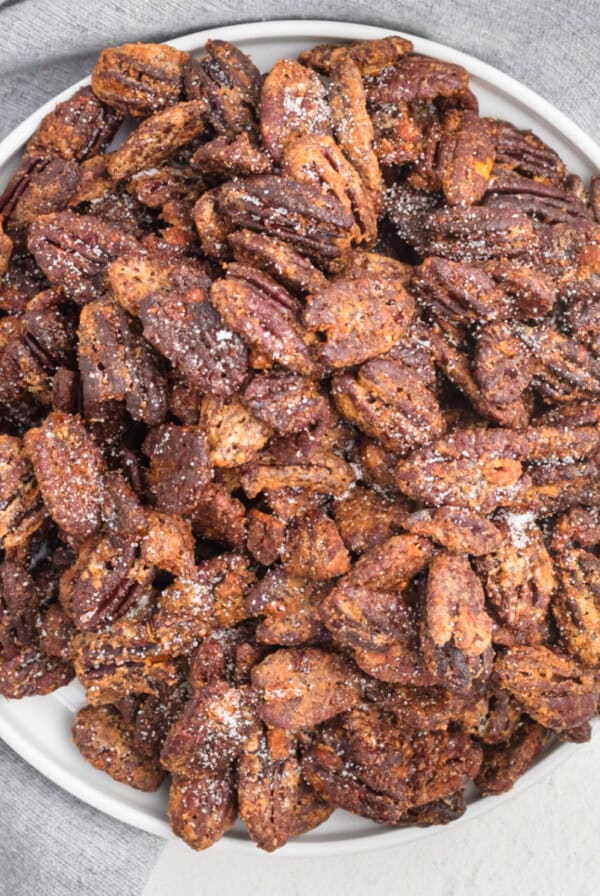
300, 414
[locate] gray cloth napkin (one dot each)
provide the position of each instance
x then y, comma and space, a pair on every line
50, 843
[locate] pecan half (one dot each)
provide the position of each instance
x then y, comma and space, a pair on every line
77, 129
457, 529
139, 79
576, 606
179, 466
503, 764
416, 78
313, 549
234, 434
277, 259
21, 509
369, 55
202, 806
289, 607
465, 157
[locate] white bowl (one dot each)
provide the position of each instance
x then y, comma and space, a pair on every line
39, 727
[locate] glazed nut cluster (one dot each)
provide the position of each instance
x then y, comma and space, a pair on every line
300, 415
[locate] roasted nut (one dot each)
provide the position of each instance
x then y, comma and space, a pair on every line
458, 530
476, 233
179, 466
369, 55
289, 606
503, 764
465, 157
234, 434
323, 472
576, 605
6, 247
313, 549
77, 129
139, 79
525, 153
286, 402
21, 509
416, 78
28, 672
365, 518
202, 807
233, 158
501, 366
277, 259
39, 186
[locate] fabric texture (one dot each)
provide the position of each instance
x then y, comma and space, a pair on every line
50, 843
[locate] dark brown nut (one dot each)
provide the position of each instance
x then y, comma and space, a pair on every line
366, 607
21, 282
401, 663
153, 718
124, 659
202, 807
116, 364
289, 606
21, 508
555, 487
68, 467
581, 317
519, 581
457, 529
502, 367
211, 731
27, 672
74, 251
302, 687
278, 260
156, 187
220, 517
416, 78
473, 468
274, 802
431, 708
323, 472
476, 233
571, 414
179, 466
226, 655
293, 103
319, 161
265, 536
555, 445
94, 181
286, 402
6, 248
237, 157
230, 83
140, 275
369, 55
554, 690
577, 528
545, 202
139, 79
313, 222
56, 632
532, 293
465, 157
77, 129
457, 292
211, 226
564, 369
359, 318
265, 315
387, 401
352, 126
313, 548
455, 606
504, 764
191, 333
157, 138
436, 812
233, 433
365, 518
398, 139
525, 153
21, 599
209, 597
39, 186
576, 605
106, 742
369, 264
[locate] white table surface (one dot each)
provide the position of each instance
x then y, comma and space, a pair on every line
546, 842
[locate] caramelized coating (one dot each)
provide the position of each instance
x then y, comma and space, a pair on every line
286, 402
455, 606
503, 764
576, 605
289, 607
365, 518
313, 548
21, 508
202, 807
465, 157
233, 433
179, 466
139, 79
77, 129
458, 530
277, 259
369, 55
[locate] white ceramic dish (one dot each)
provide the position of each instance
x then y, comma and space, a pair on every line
39, 727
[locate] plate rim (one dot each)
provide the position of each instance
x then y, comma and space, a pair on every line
583, 144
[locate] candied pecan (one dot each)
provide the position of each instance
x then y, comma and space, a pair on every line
564, 369
319, 161
265, 536
139, 79
501, 366
388, 402
457, 529
265, 315
155, 716
473, 468
289, 606
39, 186
157, 138
202, 806
21, 599
293, 104
233, 433
455, 606
76, 129
313, 548
75, 250
441, 811
365, 518
56, 632
277, 259
21, 282
431, 708
359, 317
369, 55
116, 364
503, 764
27, 672
126, 658
525, 153
322, 472
179, 466
21, 509
458, 292
476, 233
230, 83
416, 78
232, 157
581, 316
156, 187
68, 467
465, 157
286, 402
595, 197
106, 742
546, 203
579, 527
219, 516
532, 293
274, 802
554, 690
576, 605
302, 686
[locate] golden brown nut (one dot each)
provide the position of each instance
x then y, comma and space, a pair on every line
234, 434
139, 79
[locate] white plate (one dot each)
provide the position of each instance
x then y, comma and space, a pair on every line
39, 727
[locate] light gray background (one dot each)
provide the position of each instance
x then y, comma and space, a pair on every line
546, 842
